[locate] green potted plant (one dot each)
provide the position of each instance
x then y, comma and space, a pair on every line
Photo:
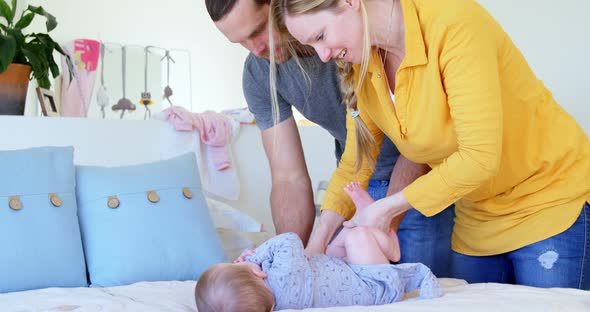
23, 54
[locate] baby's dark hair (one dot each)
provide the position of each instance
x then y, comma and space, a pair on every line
232, 288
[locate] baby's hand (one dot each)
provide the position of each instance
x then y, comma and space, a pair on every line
242, 257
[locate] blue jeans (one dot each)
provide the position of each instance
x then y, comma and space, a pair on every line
422, 239
559, 261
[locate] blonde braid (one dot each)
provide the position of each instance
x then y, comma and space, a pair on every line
278, 10
364, 139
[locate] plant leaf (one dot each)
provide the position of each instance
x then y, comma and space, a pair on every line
36, 56
69, 63
34, 60
44, 82
59, 49
39, 57
6, 12
44, 39
24, 21
51, 22
48, 46
17, 34
8, 48
53, 68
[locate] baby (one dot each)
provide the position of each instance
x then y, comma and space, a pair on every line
277, 275
388, 244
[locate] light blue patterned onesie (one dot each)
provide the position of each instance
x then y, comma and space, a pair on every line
299, 282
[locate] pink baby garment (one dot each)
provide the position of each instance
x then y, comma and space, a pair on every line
77, 93
215, 160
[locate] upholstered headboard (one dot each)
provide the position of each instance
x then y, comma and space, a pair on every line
123, 142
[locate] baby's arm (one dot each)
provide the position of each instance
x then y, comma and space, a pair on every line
282, 250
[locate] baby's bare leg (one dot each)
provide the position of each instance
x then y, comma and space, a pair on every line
363, 246
389, 244
361, 199
359, 196
336, 248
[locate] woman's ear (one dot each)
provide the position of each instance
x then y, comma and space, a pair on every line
352, 4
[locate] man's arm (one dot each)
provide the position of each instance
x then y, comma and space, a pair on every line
404, 173
291, 197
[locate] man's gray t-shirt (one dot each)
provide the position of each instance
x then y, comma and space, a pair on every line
317, 99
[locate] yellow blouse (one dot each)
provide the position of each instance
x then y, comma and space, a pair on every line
468, 105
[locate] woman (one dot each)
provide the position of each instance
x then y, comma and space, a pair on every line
449, 87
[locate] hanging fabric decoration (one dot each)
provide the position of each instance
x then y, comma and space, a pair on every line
102, 96
76, 94
168, 89
124, 103
146, 96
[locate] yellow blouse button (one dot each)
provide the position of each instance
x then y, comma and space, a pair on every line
113, 202
14, 203
55, 200
153, 196
187, 192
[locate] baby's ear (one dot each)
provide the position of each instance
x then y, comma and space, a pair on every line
259, 273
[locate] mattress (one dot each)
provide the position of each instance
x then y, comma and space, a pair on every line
178, 296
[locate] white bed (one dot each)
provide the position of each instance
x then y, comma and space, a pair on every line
99, 142
178, 297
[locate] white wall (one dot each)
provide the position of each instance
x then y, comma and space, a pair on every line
183, 24
554, 36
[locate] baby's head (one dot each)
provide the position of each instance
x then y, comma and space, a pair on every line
233, 287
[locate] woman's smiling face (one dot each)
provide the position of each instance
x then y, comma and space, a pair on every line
335, 33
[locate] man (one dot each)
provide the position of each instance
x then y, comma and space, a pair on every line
246, 22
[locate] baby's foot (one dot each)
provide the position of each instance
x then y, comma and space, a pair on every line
359, 196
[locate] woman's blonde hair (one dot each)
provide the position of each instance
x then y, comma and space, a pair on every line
279, 9
232, 288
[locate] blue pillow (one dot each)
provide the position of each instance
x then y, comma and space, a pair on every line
40, 243
147, 222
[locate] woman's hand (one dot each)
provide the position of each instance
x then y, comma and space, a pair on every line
314, 248
380, 213
328, 223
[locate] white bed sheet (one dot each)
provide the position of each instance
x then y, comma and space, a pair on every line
178, 296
